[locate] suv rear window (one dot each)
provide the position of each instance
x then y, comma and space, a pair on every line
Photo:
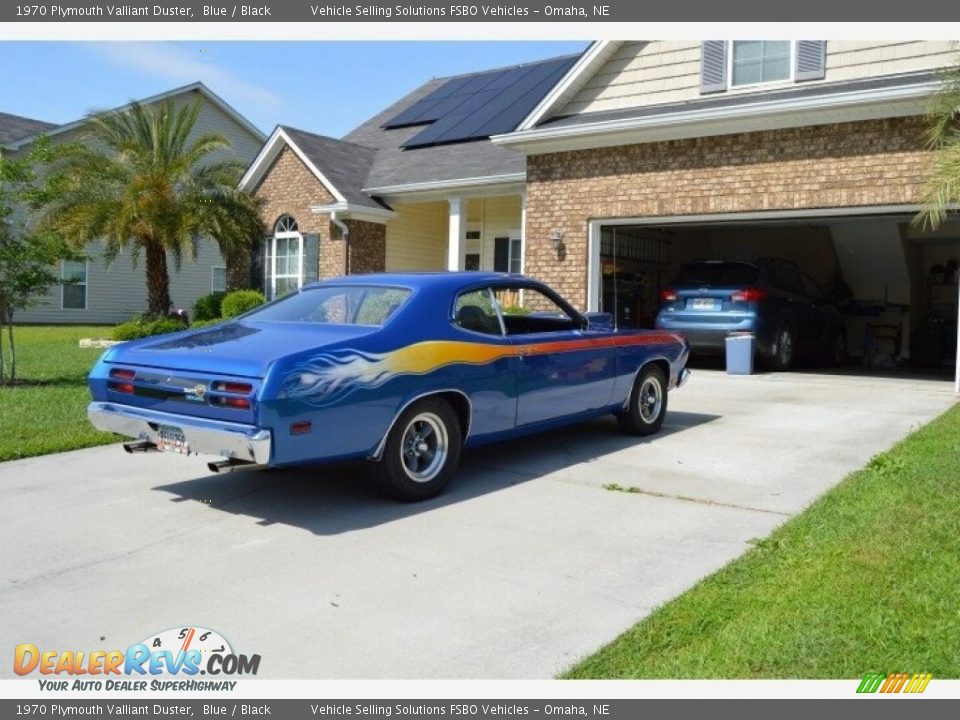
708, 274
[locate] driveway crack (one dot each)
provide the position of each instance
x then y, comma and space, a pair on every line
634, 490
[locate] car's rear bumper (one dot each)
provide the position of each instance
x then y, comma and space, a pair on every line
712, 338
203, 436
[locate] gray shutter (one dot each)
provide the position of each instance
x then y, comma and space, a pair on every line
501, 254
258, 267
311, 257
713, 66
811, 60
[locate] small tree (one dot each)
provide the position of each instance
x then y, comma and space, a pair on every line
143, 180
28, 257
941, 190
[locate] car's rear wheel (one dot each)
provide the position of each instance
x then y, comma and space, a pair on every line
421, 453
785, 351
647, 405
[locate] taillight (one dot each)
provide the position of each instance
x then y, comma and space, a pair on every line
121, 387
232, 387
668, 295
232, 402
749, 295
123, 374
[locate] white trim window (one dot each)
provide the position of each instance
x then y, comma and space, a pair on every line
284, 259
218, 278
73, 290
757, 62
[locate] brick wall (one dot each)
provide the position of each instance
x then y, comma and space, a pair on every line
288, 187
880, 162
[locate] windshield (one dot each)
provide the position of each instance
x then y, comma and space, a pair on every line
336, 305
707, 274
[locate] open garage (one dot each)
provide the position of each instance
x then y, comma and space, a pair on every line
894, 284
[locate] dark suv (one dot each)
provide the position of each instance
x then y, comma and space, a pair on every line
784, 309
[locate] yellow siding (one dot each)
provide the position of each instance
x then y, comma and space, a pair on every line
654, 72
417, 237
500, 216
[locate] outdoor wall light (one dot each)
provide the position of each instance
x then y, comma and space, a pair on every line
556, 239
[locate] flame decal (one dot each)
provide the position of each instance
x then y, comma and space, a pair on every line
330, 377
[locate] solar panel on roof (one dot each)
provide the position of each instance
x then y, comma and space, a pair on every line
480, 105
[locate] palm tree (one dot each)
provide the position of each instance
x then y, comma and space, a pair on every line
138, 180
941, 190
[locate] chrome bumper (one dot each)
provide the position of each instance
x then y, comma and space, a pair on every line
204, 437
684, 376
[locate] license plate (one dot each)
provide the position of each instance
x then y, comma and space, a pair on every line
172, 439
704, 304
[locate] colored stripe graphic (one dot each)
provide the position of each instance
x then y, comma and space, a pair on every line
914, 683
329, 377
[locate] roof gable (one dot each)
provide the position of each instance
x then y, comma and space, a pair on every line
197, 87
15, 127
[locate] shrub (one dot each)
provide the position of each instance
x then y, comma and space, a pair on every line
240, 301
208, 307
144, 327
200, 324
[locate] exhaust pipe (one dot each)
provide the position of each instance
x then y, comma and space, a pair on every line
139, 446
225, 466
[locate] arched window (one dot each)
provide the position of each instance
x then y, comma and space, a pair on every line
283, 268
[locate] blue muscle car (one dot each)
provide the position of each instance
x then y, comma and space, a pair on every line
403, 370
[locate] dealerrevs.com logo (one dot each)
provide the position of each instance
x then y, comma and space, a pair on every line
168, 660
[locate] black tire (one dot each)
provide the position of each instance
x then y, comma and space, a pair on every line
837, 350
427, 434
647, 405
785, 350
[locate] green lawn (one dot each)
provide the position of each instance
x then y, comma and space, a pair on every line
868, 579
46, 413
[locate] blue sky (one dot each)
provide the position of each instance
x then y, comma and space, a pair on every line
324, 87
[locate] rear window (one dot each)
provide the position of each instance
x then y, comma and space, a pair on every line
707, 274
336, 305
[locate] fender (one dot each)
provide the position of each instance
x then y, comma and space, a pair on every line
377, 453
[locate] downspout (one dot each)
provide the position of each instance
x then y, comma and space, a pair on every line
345, 233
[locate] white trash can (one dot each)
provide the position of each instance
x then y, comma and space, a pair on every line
739, 347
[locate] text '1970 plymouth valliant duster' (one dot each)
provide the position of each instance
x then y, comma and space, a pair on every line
403, 370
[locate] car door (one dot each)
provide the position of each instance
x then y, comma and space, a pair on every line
563, 368
490, 386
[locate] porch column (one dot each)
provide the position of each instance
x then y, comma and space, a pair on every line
456, 247
523, 231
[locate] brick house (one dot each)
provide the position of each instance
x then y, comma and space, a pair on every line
642, 155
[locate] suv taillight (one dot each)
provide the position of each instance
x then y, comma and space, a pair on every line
749, 295
668, 295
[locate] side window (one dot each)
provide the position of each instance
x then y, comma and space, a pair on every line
474, 311
810, 287
527, 310
786, 278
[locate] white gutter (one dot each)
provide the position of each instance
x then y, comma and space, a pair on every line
456, 183
764, 115
354, 210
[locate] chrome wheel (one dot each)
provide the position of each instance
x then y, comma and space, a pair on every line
651, 398
424, 448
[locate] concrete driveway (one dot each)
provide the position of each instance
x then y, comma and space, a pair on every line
523, 566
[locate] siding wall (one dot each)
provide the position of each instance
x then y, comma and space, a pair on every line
650, 73
417, 237
118, 292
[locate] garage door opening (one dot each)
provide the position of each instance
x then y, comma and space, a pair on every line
895, 285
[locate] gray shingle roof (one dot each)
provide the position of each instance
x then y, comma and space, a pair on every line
14, 127
371, 156
344, 164
396, 166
